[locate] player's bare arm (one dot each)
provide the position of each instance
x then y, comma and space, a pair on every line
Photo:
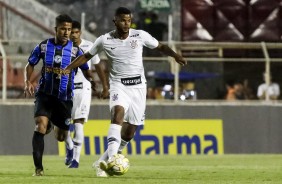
105, 93
89, 76
168, 51
78, 61
29, 88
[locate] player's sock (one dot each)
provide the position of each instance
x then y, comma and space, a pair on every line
68, 141
114, 138
78, 140
38, 149
122, 145
104, 156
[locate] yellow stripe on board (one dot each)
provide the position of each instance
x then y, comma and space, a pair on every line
169, 136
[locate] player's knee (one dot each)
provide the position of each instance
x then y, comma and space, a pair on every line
127, 137
60, 137
40, 126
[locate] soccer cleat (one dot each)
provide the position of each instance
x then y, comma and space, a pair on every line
69, 156
99, 171
38, 172
104, 166
74, 164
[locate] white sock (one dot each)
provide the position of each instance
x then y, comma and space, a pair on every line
68, 141
122, 145
77, 140
105, 154
114, 139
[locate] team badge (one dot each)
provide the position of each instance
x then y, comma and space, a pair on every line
43, 48
58, 59
133, 44
114, 97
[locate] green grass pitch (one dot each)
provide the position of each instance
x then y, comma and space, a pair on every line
218, 169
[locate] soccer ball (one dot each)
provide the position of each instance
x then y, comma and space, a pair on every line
118, 165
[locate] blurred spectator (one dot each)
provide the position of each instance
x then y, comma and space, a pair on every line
143, 21
273, 90
235, 90
248, 92
156, 28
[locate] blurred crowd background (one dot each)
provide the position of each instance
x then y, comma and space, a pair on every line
201, 21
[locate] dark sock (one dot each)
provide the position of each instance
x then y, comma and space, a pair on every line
38, 148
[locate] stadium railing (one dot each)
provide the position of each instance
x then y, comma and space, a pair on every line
16, 52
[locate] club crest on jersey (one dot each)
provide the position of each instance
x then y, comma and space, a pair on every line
43, 47
133, 44
58, 59
114, 97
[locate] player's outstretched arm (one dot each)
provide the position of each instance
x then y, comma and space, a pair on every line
80, 60
169, 52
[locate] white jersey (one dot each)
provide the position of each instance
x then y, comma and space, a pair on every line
85, 46
273, 89
82, 87
125, 56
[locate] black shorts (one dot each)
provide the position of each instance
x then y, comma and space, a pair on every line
58, 111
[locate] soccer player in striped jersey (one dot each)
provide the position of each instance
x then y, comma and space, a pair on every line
53, 98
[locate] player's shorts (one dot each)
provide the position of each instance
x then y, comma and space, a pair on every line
57, 111
133, 101
81, 102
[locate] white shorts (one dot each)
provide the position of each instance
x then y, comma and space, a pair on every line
81, 103
133, 101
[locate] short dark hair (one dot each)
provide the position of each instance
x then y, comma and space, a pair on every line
76, 25
63, 18
122, 10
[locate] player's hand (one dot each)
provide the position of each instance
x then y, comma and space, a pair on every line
28, 89
66, 71
180, 60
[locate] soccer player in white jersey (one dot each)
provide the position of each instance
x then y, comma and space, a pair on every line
123, 47
81, 98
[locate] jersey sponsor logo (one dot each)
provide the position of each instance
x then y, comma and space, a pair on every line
131, 81
113, 48
58, 59
133, 44
134, 35
159, 137
110, 38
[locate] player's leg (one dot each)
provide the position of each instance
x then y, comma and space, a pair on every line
134, 117
80, 113
69, 149
61, 118
38, 143
114, 139
77, 141
41, 114
114, 133
127, 133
